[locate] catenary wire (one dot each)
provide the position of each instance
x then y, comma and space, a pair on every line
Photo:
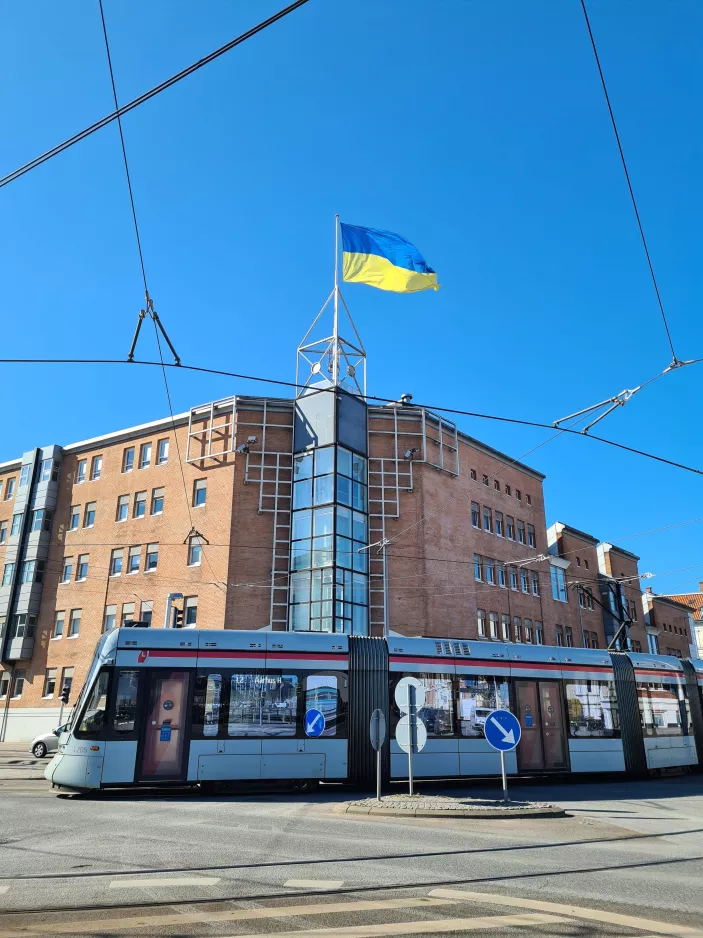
124, 148
368, 397
627, 178
147, 95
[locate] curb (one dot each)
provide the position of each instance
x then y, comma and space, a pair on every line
548, 811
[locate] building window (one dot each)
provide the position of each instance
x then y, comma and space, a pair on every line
4, 684
8, 573
569, 637
528, 498
81, 470
475, 515
490, 572
18, 683
116, 561
24, 475
520, 532
41, 519
89, 516
145, 455
493, 625
487, 520
3, 531
147, 609
527, 628
481, 622
560, 636
505, 628
195, 551
585, 563
485, 480
534, 579
67, 569
74, 623
510, 527
652, 644
508, 490
531, 539
59, 619
49, 682
517, 628
122, 508
109, 618
9, 489
496, 485
134, 560
96, 468
127, 612
518, 495
513, 578
16, 523
139, 505
82, 567
152, 557
558, 577
478, 575
524, 580
23, 625
200, 493
190, 609
157, 501
473, 475
539, 633
161, 452
633, 613
585, 597
27, 568
48, 470
594, 640
499, 523
67, 679
500, 568
128, 459
75, 518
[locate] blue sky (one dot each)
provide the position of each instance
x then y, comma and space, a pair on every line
476, 128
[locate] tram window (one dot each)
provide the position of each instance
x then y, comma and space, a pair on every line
263, 704
436, 712
93, 718
321, 694
477, 697
213, 695
664, 709
593, 708
125, 714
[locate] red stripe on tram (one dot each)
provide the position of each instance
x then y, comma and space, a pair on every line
517, 665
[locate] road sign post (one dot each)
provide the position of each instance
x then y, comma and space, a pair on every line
410, 733
377, 734
502, 730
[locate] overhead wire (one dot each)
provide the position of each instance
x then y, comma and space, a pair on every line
147, 95
368, 397
628, 180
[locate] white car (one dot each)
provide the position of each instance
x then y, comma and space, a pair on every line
45, 743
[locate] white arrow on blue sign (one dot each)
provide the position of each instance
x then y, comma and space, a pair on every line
314, 723
502, 730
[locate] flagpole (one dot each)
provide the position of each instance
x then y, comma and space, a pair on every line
335, 332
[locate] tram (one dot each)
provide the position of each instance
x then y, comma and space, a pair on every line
189, 707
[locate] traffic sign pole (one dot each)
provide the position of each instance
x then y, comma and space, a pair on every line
378, 775
413, 733
505, 781
377, 734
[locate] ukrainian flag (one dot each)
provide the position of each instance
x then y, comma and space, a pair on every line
384, 260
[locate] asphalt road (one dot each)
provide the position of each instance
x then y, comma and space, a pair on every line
278, 864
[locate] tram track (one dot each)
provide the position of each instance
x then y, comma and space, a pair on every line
509, 848
343, 890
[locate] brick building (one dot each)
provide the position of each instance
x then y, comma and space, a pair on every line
695, 603
671, 623
267, 513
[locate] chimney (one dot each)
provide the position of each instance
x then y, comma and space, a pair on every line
700, 586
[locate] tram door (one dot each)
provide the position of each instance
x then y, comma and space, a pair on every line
164, 734
540, 710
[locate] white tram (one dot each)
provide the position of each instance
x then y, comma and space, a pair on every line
190, 707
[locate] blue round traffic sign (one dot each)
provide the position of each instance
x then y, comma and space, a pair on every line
502, 730
314, 723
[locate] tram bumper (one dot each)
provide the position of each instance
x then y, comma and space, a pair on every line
77, 772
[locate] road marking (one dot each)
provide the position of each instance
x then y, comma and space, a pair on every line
423, 928
314, 883
119, 925
155, 881
596, 915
